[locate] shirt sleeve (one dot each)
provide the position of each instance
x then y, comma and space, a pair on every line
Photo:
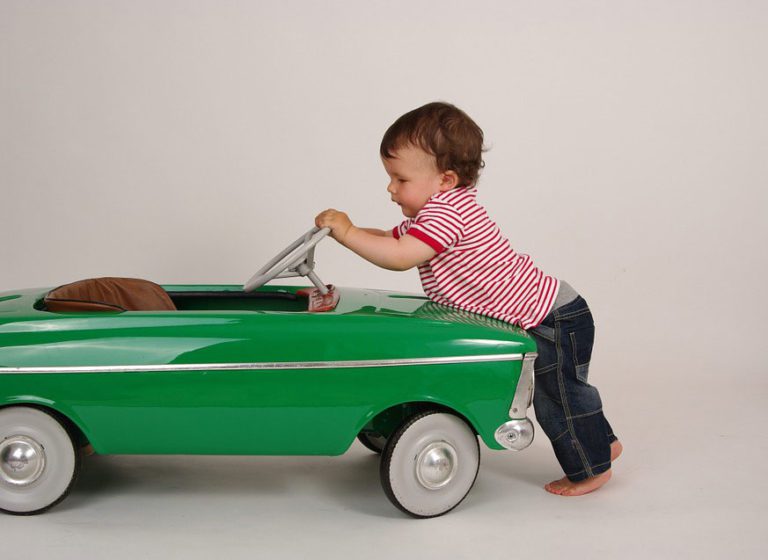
401, 229
438, 224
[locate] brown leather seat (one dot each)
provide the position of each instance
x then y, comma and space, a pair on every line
109, 294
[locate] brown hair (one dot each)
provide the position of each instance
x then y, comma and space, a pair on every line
444, 131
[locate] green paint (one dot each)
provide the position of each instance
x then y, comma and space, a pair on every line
285, 412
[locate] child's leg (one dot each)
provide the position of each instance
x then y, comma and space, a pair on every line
567, 407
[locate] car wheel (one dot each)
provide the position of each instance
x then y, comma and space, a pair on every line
430, 464
38, 460
374, 442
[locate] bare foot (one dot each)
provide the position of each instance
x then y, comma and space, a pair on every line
565, 487
616, 449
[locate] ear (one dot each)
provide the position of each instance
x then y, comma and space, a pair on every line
448, 180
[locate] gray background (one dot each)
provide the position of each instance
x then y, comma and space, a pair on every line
187, 141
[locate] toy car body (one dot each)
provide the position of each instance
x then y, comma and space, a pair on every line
231, 372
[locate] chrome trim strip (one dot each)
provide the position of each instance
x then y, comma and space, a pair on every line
267, 365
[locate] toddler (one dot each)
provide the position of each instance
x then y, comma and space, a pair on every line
433, 156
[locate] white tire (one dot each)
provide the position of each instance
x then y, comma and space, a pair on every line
430, 464
38, 461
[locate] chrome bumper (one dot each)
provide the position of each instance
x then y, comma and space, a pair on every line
518, 433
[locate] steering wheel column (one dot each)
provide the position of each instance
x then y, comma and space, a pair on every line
295, 260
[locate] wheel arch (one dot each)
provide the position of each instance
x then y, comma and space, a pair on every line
390, 418
74, 430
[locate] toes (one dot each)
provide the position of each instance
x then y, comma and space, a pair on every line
575, 489
557, 486
553, 490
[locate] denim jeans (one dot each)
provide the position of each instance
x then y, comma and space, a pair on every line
567, 407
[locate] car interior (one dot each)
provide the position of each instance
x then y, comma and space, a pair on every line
117, 295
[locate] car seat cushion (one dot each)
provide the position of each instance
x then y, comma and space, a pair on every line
109, 294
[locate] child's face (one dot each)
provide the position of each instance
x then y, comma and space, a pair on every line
414, 178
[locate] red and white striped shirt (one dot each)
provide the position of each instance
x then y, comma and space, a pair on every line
476, 268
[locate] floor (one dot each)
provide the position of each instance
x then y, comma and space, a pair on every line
690, 483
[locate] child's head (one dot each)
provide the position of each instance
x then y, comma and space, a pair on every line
443, 131
431, 149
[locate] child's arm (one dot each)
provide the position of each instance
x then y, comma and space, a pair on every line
379, 232
379, 248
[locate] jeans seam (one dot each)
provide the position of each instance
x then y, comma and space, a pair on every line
559, 436
587, 470
540, 334
572, 315
599, 410
566, 407
536, 332
576, 365
572, 336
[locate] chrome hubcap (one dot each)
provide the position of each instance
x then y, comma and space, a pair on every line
22, 460
436, 465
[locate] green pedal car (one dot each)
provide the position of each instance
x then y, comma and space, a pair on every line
124, 366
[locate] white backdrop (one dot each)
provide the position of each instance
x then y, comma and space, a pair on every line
186, 141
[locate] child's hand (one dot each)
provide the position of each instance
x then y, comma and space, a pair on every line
339, 223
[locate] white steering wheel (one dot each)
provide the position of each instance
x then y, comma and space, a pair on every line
295, 260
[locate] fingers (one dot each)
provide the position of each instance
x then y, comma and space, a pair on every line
320, 219
325, 218
339, 222
330, 217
